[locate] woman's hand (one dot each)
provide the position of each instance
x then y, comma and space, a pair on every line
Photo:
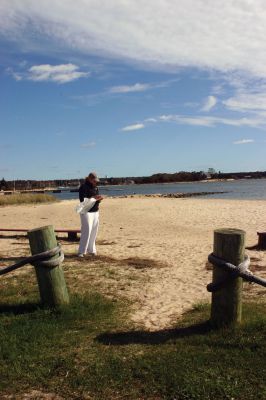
98, 197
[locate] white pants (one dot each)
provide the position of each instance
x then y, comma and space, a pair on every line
89, 230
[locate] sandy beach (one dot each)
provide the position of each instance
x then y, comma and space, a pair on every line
173, 235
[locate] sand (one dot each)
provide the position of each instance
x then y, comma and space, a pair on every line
178, 233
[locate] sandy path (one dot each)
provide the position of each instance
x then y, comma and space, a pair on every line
176, 232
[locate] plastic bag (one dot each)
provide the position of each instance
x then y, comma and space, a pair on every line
85, 206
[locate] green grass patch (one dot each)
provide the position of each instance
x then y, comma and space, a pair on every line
26, 198
89, 350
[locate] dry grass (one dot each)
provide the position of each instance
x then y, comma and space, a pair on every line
26, 198
115, 278
134, 262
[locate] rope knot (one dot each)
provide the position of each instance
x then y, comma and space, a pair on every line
44, 259
235, 271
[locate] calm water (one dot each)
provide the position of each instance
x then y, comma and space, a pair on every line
241, 189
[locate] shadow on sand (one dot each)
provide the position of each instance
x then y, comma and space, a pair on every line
10, 259
24, 236
14, 236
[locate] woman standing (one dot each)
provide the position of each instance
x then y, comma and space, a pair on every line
90, 219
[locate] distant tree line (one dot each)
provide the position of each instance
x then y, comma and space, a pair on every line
20, 184
160, 178
182, 176
3, 184
239, 175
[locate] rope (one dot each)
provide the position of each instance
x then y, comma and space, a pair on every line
38, 260
240, 270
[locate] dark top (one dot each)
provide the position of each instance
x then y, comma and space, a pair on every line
88, 190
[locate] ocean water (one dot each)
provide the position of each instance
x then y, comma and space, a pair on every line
239, 189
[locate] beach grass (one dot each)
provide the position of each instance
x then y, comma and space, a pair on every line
26, 198
90, 350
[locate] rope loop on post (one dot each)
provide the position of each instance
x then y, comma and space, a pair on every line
43, 259
235, 271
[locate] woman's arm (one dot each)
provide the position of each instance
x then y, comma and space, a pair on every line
81, 193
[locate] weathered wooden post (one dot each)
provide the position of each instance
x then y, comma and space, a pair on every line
51, 281
262, 240
226, 308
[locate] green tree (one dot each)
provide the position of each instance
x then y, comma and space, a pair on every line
3, 184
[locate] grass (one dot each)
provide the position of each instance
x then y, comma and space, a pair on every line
26, 198
89, 350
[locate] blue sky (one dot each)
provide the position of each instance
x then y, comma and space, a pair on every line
97, 85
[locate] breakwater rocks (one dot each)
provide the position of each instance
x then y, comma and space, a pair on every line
168, 195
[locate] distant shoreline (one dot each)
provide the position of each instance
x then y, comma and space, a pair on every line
168, 195
182, 177
56, 190
222, 188
182, 182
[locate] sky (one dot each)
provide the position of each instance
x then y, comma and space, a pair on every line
130, 87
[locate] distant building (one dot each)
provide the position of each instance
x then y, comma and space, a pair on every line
210, 173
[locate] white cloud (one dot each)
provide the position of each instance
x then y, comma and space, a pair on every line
187, 120
138, 87
16, 75
211, 121
108, 93
209, 103
133, 127
151, 120
201, 120
248, 98
245, 101
184, 33
243, 141
62, 73
88, 145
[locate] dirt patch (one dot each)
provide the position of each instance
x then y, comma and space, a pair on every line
33, 395
134, 262
105, 243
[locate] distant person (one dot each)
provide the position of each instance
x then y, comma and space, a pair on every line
90, 218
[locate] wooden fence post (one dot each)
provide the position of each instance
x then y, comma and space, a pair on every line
226, 308
51, 281
262, 240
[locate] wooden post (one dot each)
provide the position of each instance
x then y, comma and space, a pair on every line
51, 281
226, 308
72, 236
262, 240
